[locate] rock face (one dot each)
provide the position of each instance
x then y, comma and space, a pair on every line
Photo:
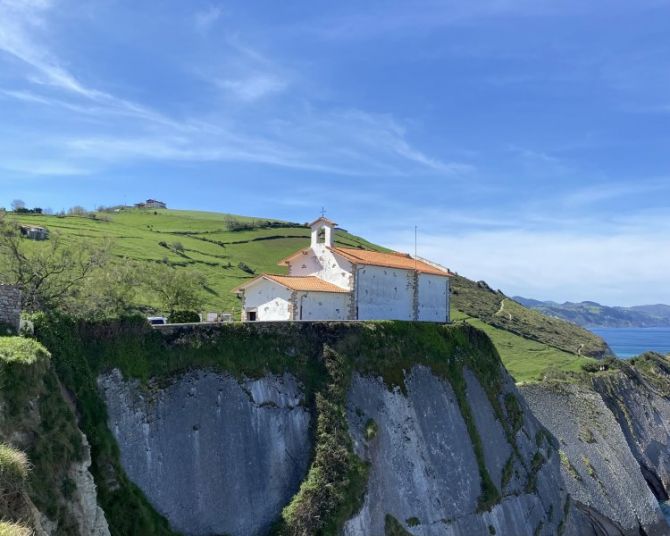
424, 472
642, 409
598, 467
83, 504
213, 455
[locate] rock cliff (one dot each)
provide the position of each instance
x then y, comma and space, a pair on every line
449, 445
357, 429
614, 432
214, 455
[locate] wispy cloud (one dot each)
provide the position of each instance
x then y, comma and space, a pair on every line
253, 87
206, 18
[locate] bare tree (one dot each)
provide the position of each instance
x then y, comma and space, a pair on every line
50, 272
17, 204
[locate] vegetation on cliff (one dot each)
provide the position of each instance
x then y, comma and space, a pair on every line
36, 418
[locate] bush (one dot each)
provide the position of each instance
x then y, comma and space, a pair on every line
14, 529
183, 317
13, 469
246, 268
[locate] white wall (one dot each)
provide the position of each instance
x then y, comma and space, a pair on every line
323, 306
269, 299
385, 293
321, 262
433, 298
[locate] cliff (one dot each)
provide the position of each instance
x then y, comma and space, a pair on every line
315, 428
363, 428
614, 432
45, 484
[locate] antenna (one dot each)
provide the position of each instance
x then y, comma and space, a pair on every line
416, 232
323, 212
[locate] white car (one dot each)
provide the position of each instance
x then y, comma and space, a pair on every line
157, 320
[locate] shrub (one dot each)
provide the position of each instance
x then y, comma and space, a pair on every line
13, 469
246, 268
21, 350
183, 317
14, 529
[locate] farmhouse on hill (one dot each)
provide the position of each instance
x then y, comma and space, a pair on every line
151, 203
328, 282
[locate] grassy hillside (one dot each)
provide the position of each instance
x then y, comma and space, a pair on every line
525, 359
493, 307
218, 245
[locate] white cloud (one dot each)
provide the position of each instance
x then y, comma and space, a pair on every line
253, 87
616, 268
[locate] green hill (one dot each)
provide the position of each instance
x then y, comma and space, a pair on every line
229, 249
477, 299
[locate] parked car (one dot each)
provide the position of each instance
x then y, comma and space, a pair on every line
157, 320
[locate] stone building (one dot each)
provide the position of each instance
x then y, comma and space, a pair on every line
328, 282
10, 306
34, 232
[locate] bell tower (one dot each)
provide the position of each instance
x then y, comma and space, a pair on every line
323, 232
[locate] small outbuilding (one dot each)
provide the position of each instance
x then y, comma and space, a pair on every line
34, 232
329, 282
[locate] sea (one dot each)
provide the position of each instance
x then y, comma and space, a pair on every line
629, 342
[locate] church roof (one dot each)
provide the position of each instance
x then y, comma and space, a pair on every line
393, 259
300, 283
324, 220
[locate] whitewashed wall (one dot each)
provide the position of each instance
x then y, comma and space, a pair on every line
433, 298
270, 300
385, 294
323, 306
321, 262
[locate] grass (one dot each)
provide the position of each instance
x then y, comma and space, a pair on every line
34, 408
526, 360
493, 307
21, 351
13, 469
207, 241
14, 529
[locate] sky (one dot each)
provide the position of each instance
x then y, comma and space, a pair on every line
529, 140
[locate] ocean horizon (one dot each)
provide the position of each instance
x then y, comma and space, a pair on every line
630, 342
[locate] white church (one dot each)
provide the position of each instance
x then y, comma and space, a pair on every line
328, 282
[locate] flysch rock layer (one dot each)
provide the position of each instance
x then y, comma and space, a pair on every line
598, 468
424, 472
212, 454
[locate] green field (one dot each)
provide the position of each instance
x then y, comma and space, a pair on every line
204, 240
526, 360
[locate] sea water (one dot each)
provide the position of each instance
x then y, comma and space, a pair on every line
629, 342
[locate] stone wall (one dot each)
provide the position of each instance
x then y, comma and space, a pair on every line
10, 306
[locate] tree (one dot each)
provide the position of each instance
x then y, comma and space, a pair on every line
177, 290
77, 210
48, 273
17, 205
109, 292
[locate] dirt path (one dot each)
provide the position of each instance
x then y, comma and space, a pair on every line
502, 309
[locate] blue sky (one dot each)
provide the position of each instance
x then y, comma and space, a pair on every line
528, 140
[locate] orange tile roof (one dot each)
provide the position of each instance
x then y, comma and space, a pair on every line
390, 260
301, 283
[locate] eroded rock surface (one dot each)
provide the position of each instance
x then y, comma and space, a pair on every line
213, 455
598, 467
424, 472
